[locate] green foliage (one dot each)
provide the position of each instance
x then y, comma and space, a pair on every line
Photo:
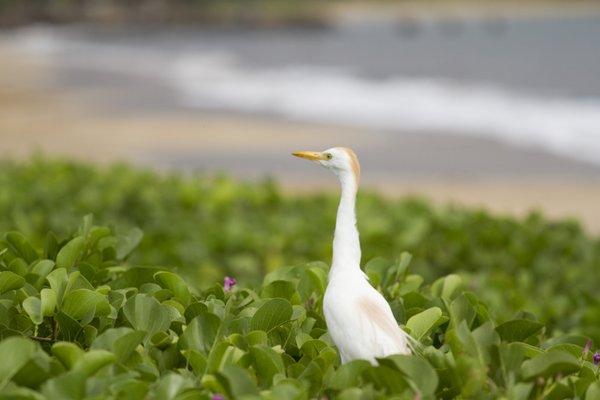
211, 227
92, 325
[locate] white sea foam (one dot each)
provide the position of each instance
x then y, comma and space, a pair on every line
569, 127
564, 126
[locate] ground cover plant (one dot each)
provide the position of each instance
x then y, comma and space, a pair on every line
79, 320
207, 227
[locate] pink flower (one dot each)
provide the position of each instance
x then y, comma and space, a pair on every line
588, 346
229, 283
217, 397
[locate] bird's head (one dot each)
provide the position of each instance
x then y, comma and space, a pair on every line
341, 160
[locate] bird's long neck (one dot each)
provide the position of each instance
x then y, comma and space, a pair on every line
346, 244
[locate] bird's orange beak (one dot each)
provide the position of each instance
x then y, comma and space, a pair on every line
310, 155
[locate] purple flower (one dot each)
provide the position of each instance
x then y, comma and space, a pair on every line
228, 283
596, 358
217, 397
587, 347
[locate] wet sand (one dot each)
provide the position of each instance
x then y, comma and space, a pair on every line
37, 115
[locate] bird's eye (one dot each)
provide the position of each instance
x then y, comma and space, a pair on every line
329, 156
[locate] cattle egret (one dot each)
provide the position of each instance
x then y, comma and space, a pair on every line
359, 319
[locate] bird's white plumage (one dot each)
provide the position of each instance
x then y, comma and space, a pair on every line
359, 319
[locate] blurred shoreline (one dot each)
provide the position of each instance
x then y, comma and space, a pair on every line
38, 116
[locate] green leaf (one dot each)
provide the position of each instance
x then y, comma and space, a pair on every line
21, 247
349, 374
376, 269
462, 340
67, 353
401, 265
567, 348
15, 352
48, 302
88, 223
93, 360
200, 333
518, 330
419, 373
170, 386
193, 310
145, 313
82, 303
18, 266
161, 340
197, 360
424, 322
485, 338
175, 284
36, 371
279, 289
387, 378
257, 337
593, 391
128, 242
318, 276
125, 346
351, 393
69, 386
271, 314
10, 281
51, 246
70, 329
511, 357
548, 364
223, 354
267, 363
237, 381
41, 268
58, 280
122, 342
135, 277
461, 310
33, 307
70, 253
450, 287
519, 391
129, 388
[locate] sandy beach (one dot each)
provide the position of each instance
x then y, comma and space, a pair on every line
38, 116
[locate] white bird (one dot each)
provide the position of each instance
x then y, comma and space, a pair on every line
359, 319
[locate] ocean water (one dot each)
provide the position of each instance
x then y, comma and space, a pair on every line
533, 83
